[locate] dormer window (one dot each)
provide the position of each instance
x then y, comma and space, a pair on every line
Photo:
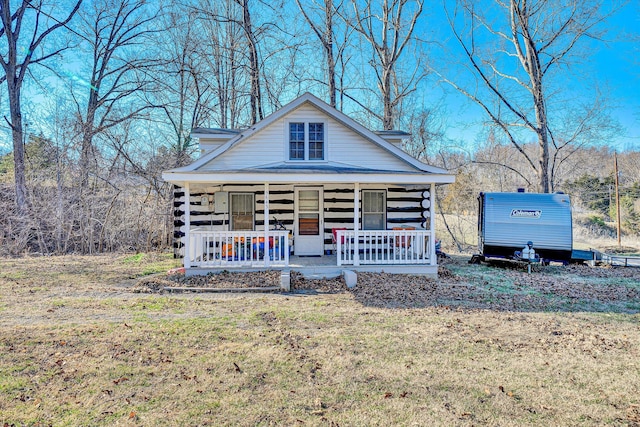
306, 141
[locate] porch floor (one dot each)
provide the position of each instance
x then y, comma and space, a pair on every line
325, 266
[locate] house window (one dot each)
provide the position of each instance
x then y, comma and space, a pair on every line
241, 212
316, 141
306, 141
296, 141
374, 209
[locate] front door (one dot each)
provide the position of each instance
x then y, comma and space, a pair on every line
309, 226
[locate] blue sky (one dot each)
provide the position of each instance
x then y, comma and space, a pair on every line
618, 65
613, 65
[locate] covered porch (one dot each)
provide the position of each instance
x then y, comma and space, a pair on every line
319, 226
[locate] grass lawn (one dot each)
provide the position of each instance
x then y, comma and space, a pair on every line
77, 347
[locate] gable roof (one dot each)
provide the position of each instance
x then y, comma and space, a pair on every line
214, 133
376, 138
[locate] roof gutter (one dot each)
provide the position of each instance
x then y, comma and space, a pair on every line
226, 177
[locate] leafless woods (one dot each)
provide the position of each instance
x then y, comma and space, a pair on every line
99, 97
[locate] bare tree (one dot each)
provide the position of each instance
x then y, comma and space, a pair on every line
427, 131
254, 62
22, 34
389, 30
222, 50
112, 34
182, 88
325, 18
513, 48
114, 30
325, 35
223, 12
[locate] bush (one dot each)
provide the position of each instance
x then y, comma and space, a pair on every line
595, 225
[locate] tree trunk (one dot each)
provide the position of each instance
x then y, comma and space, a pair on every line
543, 157
328, 47
387, 103
15, 70
388, 31
254, 65
543, 135
17, 134
532, 66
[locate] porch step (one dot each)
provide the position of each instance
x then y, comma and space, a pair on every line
220, 290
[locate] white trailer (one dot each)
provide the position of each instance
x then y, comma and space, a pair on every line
507, 221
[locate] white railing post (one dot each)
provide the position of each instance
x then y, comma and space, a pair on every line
432, 225
265, 244
187, 226
285, 239
356, 223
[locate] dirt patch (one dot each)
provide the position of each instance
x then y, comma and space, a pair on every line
579, 290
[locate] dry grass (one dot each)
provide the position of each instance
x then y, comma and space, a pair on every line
77, 347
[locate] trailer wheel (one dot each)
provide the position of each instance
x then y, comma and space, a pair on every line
476, 259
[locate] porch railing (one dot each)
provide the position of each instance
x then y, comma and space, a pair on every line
238, 248
385, 247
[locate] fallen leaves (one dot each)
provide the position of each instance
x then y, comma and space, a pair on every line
505, 288
633, 414
299, 282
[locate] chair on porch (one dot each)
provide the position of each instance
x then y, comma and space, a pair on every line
401, 244
334, 240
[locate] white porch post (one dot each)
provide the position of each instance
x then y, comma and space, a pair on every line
266, 224
187, 225
356, 223
433, 259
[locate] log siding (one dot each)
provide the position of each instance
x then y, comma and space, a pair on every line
405, 206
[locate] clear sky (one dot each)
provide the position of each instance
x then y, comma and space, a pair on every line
618, 64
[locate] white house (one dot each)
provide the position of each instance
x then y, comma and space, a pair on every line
307, 189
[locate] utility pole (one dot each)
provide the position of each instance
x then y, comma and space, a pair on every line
615, 169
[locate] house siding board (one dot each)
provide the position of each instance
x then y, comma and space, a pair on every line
269, 146
349, 148
404, 207
337, 209
178, 221
281, 207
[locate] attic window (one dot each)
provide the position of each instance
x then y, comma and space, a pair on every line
306, 141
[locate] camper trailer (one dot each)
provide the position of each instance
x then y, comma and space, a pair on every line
508, 221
